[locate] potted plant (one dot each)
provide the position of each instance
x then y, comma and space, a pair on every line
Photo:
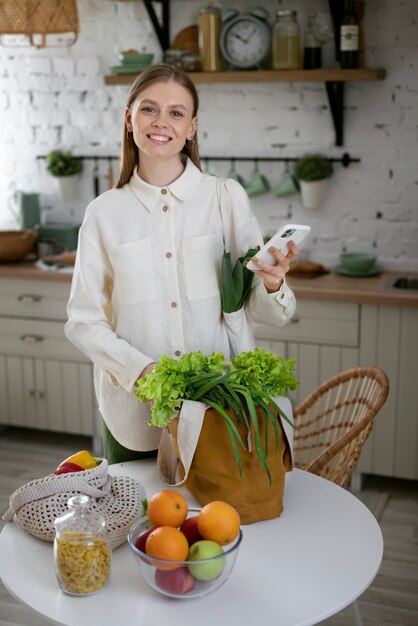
313, 171
65, 168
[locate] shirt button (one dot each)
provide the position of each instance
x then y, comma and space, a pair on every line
173, 305
165, 208
177, 353
282, 296
168, 255
163, 191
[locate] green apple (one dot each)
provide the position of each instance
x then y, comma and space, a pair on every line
213, 567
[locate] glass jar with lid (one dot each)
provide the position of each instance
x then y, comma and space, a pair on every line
209, 33
82, 551
174, 56
286, 46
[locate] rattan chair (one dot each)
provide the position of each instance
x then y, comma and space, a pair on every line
334, 421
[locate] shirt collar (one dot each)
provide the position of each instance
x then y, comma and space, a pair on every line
182, 188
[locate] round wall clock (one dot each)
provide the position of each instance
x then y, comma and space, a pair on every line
245, 40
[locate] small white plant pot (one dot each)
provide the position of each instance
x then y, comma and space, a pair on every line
313, 193
68, 187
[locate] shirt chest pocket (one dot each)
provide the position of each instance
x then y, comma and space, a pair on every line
134, 273
202, 261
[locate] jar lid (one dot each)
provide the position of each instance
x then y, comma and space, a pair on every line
211, 8
286, 13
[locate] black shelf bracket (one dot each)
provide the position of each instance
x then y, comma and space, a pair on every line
335, 93
162, 28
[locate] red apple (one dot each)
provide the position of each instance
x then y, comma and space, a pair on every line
142, 538
189, 528
178, 581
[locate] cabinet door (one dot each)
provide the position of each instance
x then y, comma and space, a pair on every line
389, 340
47, 394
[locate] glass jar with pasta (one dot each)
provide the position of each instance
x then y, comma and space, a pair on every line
82, 550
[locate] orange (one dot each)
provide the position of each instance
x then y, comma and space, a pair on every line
218, 521
167, 543
167, 508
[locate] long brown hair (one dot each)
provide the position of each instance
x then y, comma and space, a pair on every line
154, 74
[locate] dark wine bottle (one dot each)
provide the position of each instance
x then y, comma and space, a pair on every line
312, 47
349, 37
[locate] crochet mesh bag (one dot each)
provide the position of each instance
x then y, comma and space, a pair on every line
38, 503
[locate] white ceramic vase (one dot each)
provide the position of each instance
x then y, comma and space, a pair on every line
313, 193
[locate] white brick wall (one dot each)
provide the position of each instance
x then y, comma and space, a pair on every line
56, 97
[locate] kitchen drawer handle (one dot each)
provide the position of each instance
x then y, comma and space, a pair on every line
295, 320
31, 338
29, 298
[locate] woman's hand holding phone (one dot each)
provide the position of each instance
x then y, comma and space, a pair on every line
272, 262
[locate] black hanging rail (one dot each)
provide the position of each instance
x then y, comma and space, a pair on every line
345, 159
99, 157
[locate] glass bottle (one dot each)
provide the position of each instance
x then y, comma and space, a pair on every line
349, 36
286, 47
209, 32
312, 47
82, 550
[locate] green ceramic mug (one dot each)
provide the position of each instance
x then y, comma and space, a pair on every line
288, 186
258, 184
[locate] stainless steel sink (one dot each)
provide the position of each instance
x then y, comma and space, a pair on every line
408, 283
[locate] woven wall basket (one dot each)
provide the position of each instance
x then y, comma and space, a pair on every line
36, 19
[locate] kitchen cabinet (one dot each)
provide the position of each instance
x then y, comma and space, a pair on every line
328, 337
323, 337
45, 382
389, 339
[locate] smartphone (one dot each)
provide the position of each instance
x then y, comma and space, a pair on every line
290, 232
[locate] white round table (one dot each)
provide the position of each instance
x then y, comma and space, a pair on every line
311, 562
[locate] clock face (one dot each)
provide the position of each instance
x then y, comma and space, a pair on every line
245, 42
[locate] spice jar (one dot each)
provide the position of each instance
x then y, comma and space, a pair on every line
209, 32
174, 56
82, 550
286, 46
191, 62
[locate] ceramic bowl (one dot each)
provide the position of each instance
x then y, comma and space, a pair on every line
143, 58
357, 261
189, 579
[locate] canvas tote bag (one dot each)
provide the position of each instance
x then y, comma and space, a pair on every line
196, 452
240, 334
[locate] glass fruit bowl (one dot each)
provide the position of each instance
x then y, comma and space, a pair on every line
184, 579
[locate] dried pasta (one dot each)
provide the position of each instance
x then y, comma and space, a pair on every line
82, 562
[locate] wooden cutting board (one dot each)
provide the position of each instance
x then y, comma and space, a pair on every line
187, 38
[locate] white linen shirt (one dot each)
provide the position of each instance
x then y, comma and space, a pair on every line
147, 282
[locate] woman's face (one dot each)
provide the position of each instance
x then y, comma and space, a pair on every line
161, 119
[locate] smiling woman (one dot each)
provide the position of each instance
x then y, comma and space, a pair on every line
147, 275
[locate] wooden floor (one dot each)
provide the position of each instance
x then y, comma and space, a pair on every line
391, 600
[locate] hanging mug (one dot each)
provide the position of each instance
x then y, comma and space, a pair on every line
235, 176
288, 185
258, 183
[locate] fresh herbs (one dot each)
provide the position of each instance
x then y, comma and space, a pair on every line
247, 385
236, 283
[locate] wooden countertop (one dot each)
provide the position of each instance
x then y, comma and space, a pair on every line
30, 271
329, 287
367, 290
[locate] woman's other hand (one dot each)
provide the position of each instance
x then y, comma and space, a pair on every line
147, 370
273, 275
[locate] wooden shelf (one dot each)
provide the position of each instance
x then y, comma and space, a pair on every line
333, 79
269, 76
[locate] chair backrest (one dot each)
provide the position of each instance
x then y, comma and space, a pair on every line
334, 421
